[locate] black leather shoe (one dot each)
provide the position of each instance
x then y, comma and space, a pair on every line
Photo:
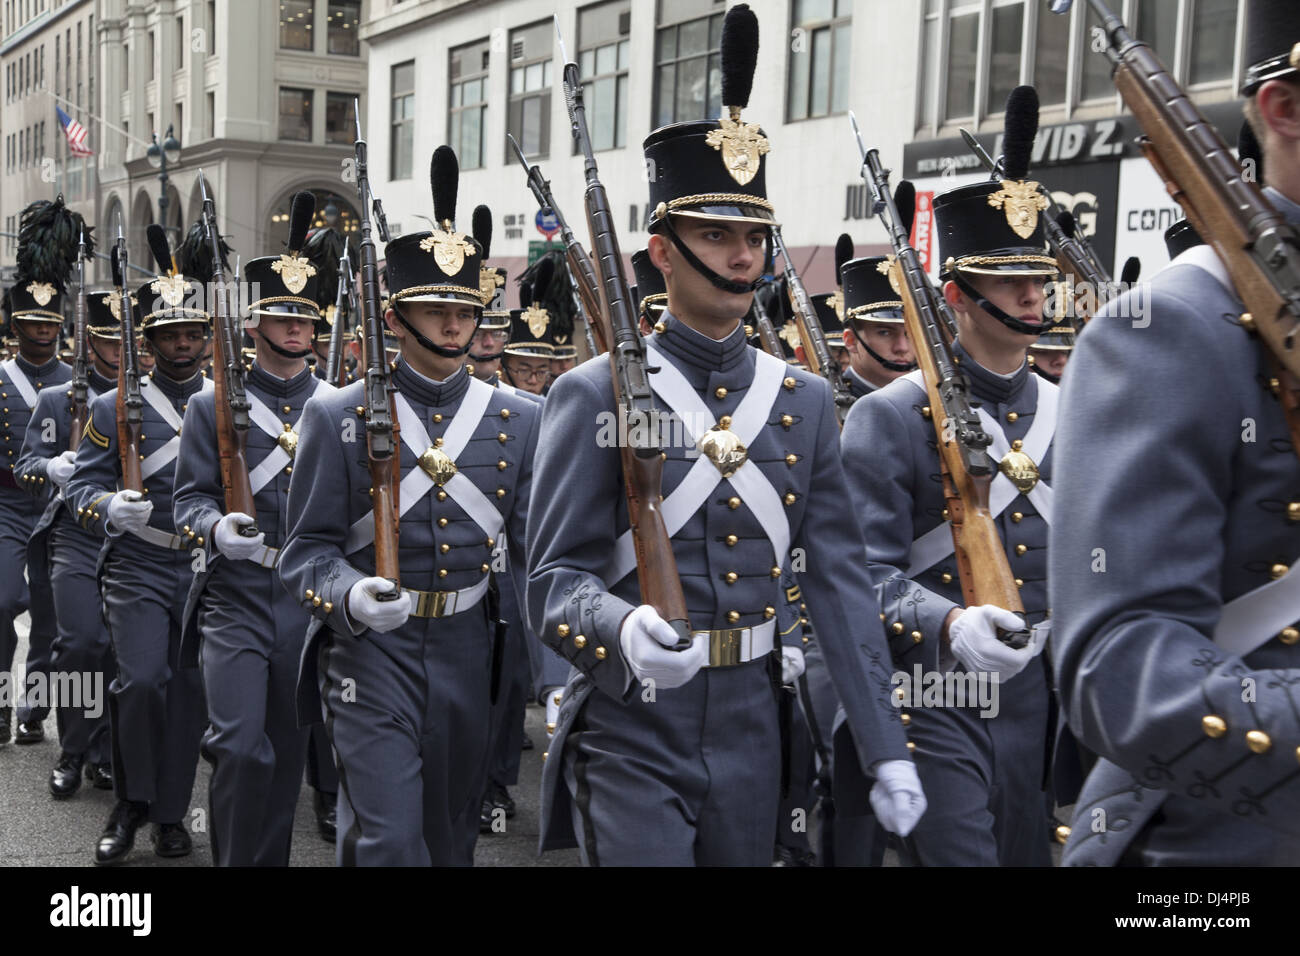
171, 839
527, 743
119, 835
327, 815
790, 856
486, 815
100, 775
6, 721
29, 732
500, 797
65, 778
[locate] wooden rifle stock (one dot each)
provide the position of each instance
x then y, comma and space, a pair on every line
130, 404
80, 356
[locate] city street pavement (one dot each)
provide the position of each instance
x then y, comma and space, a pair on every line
37, 830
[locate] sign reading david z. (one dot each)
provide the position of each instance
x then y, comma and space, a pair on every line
77, 909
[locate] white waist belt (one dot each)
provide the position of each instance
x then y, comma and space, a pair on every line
739, 645
264, 556
162, 539
446, 603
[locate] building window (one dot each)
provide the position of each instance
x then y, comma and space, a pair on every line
180, 43
180, 122
688, 77
151, 50
603, 44
340, 118
343, 27
820, 55
467, 102
529, 116
295, 114
296, 23
401, 143
974, 52
212, 115
212, 28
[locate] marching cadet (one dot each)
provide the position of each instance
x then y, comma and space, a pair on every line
35, 308
249, 628
527, 361
81, 645
874, 335
983, 774
674, 757
1177, 664
564, 354
155, 707
1051, 352
407, 684
487, 349
651, 297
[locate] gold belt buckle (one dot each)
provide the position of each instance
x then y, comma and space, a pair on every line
431, 603
724, 646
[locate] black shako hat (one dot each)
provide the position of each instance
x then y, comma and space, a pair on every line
1272, 42
867, 292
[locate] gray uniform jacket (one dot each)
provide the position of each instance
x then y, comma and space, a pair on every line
329, 492
1182, 483
570, 543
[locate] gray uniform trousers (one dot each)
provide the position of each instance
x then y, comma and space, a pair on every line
1186, 502
321, 774
82, 645
516, 681
18, 516
156, 705
252, 636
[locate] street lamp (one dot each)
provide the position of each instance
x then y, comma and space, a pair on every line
159, 157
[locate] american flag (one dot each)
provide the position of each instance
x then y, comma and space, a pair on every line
76, 134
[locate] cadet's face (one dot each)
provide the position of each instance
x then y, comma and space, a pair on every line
527, 373
450, 325
1051, 361
106, 354
886, 339
734, 250
178, 347
290, 332
1021, 296
560, 366
489, 341
40, 339
841, 357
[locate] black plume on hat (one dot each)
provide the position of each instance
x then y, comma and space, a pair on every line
1132, 269
323, 249
843, 253
739, 50
481, 227
542, 280
444, 179
115, 264
1019, 129
194, 255
48, 238
905, 200
162, 253
301, 209
525, 294
1065, 219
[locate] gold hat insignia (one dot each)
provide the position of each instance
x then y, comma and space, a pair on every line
561, 340
790, 332
171, 288
1021, 201
489, 280
114, 302
836, 301
294, 272
1295, 56
449, 250
742, 147
42, 292
537, 320
886, 268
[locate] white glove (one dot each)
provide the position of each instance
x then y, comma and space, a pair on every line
552, 696
896, 797
974, 639
364, 606
228, 541
792, 664
128, 511
646, 639
59, 469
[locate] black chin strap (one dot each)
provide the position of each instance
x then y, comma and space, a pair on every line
437, 349
486, 358
302, 353
1054, 379
98, 355
24, 338
726, 285
885, 363
1010, 321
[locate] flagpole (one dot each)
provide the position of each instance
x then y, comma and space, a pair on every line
97, 117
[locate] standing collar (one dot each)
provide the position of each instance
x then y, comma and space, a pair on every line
282, 387
425, 390
174, 389
990, 386
37, 370
100, 383
858, 386
698, 350
1290, 210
